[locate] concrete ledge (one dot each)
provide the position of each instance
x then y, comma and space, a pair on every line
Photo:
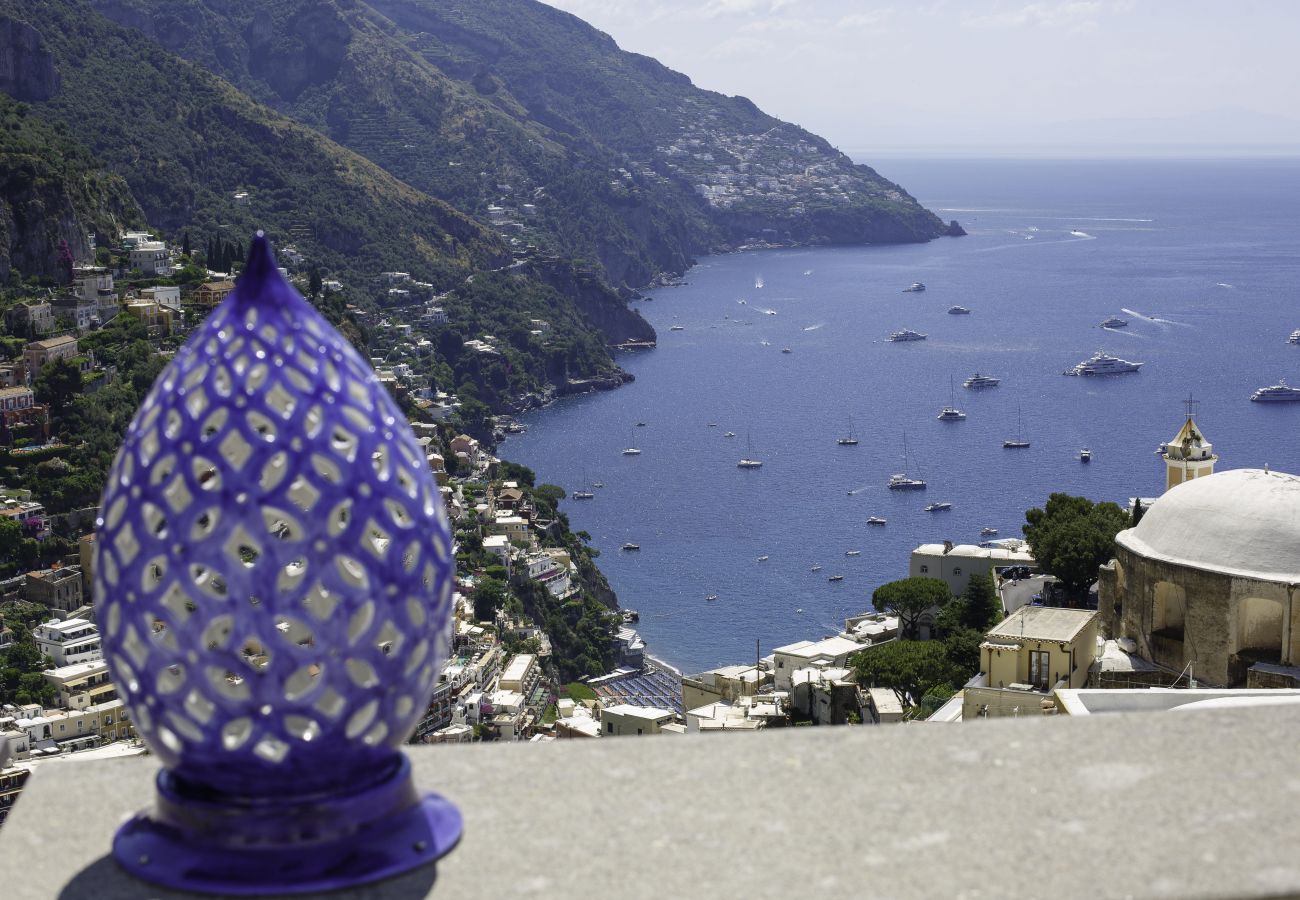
1143, 805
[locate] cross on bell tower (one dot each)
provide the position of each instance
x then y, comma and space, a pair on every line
1189, 455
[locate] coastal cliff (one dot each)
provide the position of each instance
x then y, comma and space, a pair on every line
537, 124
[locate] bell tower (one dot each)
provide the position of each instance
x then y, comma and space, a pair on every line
1189, 455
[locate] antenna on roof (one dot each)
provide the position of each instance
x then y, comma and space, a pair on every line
1191, 406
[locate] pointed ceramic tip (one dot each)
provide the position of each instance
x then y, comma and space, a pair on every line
261, 261
261, 281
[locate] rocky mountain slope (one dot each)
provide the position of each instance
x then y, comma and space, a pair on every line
528, 118
52, 190
201, 158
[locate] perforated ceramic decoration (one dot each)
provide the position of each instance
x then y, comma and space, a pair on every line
273, 570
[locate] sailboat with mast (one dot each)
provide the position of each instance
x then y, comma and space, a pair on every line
849, 440
899, 481
632, 449
1019, 442
950, 412
583, 493
749, 461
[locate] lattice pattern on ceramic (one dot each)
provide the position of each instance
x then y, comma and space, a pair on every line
273, 560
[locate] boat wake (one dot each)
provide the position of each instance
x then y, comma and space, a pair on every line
1083, 234
768, 312
814, 327
1224, 284
1155, 319
1125, 332
1065, 240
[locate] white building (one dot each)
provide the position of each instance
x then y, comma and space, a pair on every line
550, 572
622, 719
69, 642
499, 546
508, 714
870, 628
82, 684
163, 295
574, 720
151, 258
832, 652
521, 675
954, 564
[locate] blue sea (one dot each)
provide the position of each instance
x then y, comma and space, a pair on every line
1201, 257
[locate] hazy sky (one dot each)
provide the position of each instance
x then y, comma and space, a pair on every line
867, 75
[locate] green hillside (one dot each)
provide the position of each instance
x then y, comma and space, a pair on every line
52, 190
204, 159
585, 150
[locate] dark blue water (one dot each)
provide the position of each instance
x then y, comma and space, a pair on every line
1204, 254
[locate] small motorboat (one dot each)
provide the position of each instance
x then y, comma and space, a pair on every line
852, 552
836, 578
816, 568
938, 507
762, 559
876, 520
1085, 455
710, 598
988, 532
631, 546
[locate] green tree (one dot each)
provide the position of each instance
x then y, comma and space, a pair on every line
511, 471
977, 608
908, 668
962, 649
489, 597
1138, 511
57, 384
909, 599
1071, 536
983, 606
11, 539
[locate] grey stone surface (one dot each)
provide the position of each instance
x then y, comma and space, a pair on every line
1142, 805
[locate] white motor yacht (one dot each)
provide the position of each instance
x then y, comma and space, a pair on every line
981, 381
915, 287
1276, 393
906, 334
900, 482
958, 311
1294, 338
1102, 364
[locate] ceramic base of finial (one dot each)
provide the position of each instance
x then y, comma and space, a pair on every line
195, 840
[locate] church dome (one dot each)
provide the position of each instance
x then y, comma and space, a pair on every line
1243, 522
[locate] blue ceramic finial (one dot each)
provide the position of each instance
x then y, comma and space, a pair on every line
274, 568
